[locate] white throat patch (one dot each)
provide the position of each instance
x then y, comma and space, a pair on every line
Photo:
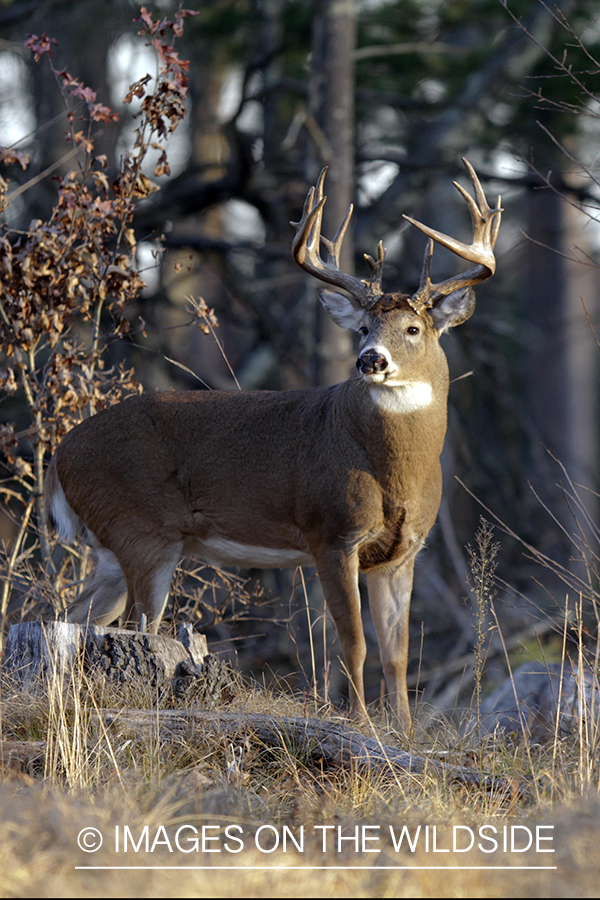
403, 398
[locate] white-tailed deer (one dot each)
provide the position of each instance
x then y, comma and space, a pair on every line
346, 478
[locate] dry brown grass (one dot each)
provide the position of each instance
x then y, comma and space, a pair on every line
107, 778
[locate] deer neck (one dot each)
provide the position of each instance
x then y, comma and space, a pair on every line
402, 425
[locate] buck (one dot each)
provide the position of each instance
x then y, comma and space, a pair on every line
345, 478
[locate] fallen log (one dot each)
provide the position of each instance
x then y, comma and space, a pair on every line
319, 742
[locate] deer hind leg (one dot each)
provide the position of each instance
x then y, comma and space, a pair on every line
148, 576
389, 601
339, 579
103, 596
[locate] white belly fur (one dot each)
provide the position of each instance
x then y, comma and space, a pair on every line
219, 551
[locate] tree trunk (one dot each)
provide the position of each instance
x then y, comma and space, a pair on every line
561, 380
332, 105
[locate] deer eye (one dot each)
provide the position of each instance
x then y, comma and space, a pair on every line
363, 329
413, 329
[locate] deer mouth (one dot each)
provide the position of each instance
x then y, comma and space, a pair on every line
385, 379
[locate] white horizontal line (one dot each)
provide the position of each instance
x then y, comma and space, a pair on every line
324, 868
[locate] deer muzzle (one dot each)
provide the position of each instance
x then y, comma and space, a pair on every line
371, 362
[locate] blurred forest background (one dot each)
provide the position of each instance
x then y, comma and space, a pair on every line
390, 94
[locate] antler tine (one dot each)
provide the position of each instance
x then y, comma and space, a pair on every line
486, 222
309, 225
334, 247
320, 200
305, 246
376, 269
422, 299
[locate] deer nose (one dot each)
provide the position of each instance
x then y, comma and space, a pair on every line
371, 362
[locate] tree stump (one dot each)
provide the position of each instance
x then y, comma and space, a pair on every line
37, 652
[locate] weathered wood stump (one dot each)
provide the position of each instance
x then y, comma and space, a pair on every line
38, 651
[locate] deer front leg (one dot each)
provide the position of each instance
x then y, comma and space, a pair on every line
389, 599
339, 579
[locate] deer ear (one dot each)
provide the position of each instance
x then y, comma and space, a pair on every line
344, 311
454, 309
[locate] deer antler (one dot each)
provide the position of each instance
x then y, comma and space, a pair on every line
486, 223
305, 249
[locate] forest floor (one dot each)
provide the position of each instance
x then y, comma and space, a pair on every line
98, 805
